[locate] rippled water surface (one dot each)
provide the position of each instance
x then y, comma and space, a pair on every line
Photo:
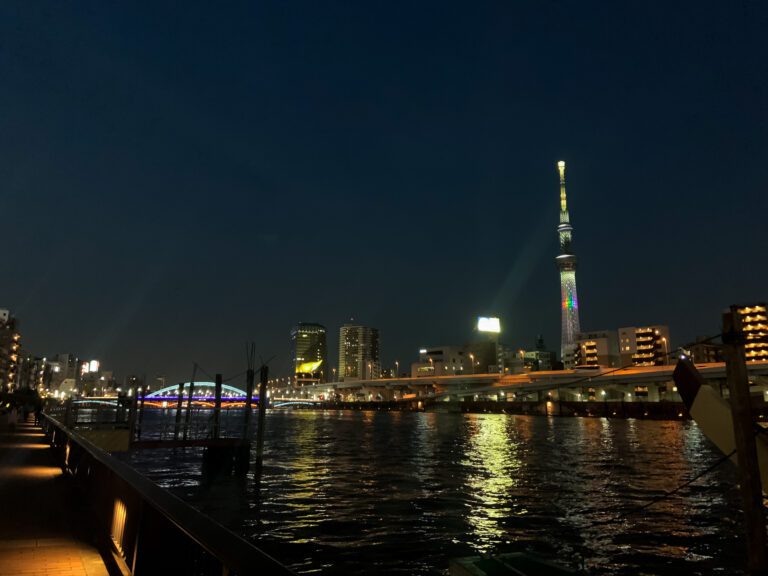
391, 492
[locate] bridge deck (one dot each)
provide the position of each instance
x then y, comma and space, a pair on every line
39, 529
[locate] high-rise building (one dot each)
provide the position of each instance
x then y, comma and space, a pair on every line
34, 372
644, 346
754, 323
10, 342
599, 348
309, 355
566, 262
445, 361
358, 353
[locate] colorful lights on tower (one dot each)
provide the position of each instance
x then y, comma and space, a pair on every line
566, 262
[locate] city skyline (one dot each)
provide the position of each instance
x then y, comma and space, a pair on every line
174, 188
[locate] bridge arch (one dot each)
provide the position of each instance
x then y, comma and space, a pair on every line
199, 386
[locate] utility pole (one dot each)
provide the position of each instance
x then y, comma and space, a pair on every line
744, 434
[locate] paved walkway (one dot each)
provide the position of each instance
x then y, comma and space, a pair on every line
41, 527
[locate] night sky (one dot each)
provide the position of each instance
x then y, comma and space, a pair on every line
179, 178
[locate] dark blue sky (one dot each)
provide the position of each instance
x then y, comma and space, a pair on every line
176, 179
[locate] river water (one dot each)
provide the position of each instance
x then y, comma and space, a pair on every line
404, 492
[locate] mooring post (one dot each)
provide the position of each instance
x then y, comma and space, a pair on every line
132, 417
744, 434
179, 401
68, 413
188, 416
217, 407
263, 375
141, 413
249, 377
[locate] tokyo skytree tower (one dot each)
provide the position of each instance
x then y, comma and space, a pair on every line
566, 261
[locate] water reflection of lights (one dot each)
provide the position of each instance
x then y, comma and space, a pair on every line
424, 447
310, 478
606, 435
403, 491
493, 461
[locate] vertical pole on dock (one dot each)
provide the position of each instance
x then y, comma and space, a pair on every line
68, 413
188, 416
263, 376
141, 413
217, 407
744, 434
132, 418
249, 377
179, 401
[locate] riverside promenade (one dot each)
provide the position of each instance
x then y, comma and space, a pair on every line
43, 531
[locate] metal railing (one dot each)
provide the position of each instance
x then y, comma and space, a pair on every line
149, 530
91, 413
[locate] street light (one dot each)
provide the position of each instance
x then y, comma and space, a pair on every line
472, 359
666, 350
370, 372
397, 369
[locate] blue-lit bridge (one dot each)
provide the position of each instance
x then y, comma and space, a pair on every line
204, 395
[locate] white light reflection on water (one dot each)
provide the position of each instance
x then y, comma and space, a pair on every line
493, 465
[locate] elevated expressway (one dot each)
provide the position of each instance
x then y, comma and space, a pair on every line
649, 383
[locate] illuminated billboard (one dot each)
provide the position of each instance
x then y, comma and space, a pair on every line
88, 367
308, 367
488, 324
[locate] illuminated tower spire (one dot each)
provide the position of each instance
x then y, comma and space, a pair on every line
566, 261
563, 203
